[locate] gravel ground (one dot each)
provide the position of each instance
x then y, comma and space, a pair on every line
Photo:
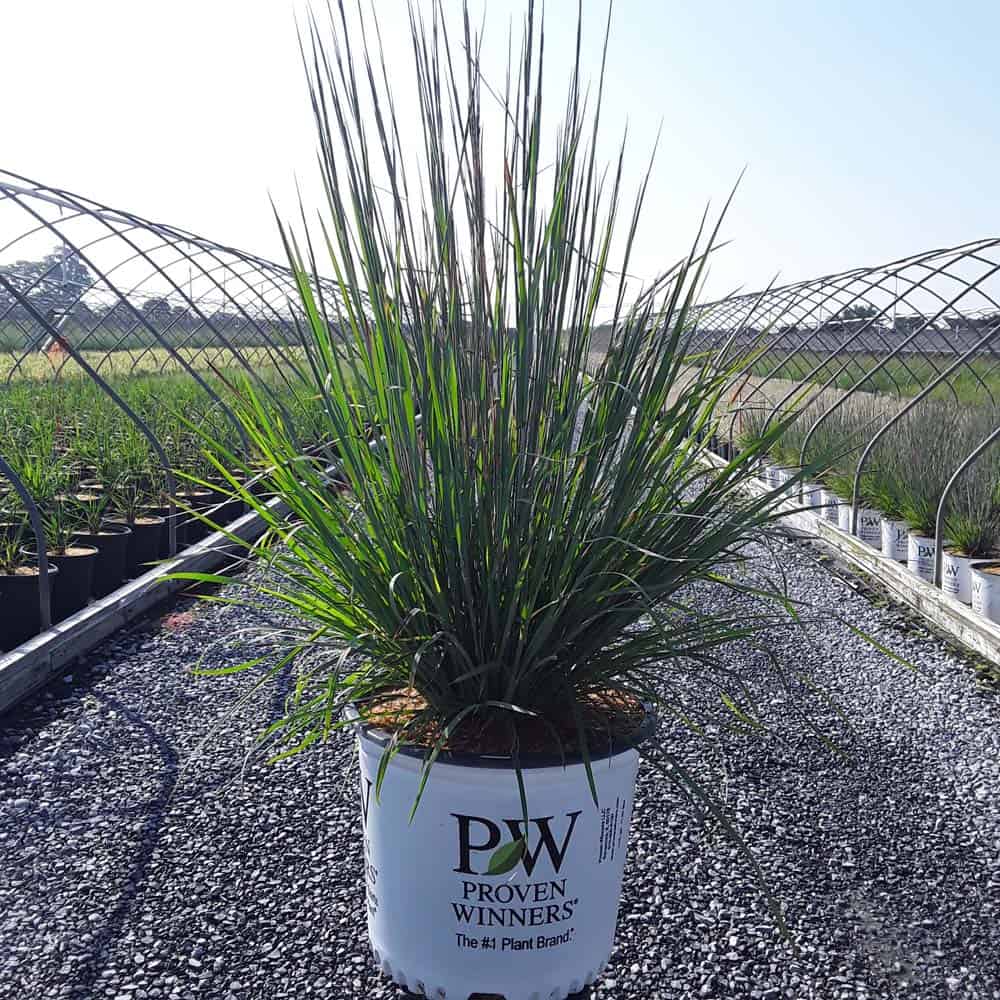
137, 863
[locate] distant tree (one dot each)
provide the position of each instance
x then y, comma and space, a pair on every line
54, 283
857, 312
157, 311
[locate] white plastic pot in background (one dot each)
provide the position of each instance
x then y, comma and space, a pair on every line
618, 444
831, 507
441, 926
870, 527
985, 586
956, 578
920, 554
844, 517
895, 539
812, 496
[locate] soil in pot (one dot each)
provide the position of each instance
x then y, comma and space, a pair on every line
21, 618
72, 584
144, 542
549, 915
111, 543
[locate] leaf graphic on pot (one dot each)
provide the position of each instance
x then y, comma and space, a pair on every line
505, 857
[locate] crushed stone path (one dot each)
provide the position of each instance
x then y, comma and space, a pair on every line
141, 860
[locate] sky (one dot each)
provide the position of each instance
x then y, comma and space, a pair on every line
867, 130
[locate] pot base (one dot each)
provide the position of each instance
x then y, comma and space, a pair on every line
417, 988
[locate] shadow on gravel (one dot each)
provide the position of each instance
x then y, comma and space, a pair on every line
134, 877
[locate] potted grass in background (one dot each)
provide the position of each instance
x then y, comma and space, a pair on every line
977, 533
885, 496
985, 587
825, 444
129, 501
869, 523
19, 590
110, 538
498, 604
840, 435
788, 448
927, 440
750, 437
74, 559
919, 508
971, 540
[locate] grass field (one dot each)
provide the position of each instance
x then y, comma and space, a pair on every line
973, 382
147, 361
904, 377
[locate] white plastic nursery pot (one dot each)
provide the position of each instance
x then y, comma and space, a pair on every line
895, 540
831, 507
956, 576
440, 925
920, 556
780, 474
812, 495
870, 527
985, 586
844, 517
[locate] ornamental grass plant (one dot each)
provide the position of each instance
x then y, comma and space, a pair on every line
927, 440
499, 577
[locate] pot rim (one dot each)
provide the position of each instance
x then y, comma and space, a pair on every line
52, 570
54, 554
980, 564
108, 528
121, 519
527, 761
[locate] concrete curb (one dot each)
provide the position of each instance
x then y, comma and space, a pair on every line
36, 661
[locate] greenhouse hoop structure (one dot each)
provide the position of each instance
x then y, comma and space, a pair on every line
110, 322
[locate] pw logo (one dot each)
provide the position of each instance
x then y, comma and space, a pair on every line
366, 798
479, 835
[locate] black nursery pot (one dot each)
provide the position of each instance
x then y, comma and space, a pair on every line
144, 542
162, 511
189, 528
72, 586
111, 543
229, 509
21, 617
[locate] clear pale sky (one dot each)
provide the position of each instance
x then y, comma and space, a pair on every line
869, 129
